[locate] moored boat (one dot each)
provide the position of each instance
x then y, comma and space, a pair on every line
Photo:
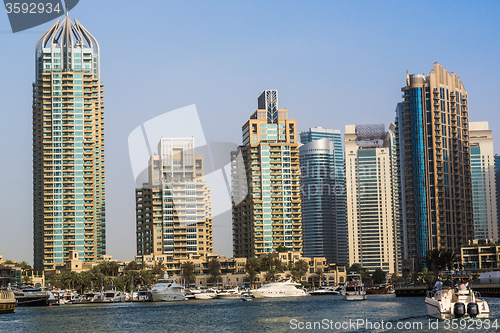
324, 291
31, 297
279, 289
230, 293
206, 294
167, 290
113, 296
7, 301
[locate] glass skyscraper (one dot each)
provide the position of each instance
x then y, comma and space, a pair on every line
433, 135
323, 195
483, 181
68, 147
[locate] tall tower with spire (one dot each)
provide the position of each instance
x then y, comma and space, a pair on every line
68, 147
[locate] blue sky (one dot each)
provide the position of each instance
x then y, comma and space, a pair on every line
333, 63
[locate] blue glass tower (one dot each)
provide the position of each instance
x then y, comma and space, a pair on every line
323, 195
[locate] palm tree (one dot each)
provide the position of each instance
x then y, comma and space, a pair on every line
27, 279
133, 265
188, 273
252, 267
269, 261
114, 268
130, 278
379, 276
448, 258
426, 276
159, 268
214, 270
434, 260
301, 268
319, 275
271, 275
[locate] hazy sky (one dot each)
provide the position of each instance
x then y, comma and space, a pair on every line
333, 63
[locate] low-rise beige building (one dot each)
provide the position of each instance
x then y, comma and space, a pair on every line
481, 255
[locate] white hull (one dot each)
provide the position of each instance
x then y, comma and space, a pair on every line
166, 297
278, 293
229, 296
441, 304
355, 297
205, 295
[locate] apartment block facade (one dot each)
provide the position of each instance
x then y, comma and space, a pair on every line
266, 188
373, 221
68, 147
174, 210
433, 141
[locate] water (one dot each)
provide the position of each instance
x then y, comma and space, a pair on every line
259, 315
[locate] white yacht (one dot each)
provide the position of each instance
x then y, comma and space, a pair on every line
230, 293
93, 297
326, 290
206, 294
354, 290
167, 290
113, 296
451, 303
279, 289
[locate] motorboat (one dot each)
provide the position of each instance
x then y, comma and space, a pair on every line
354, 290
31, 297
7, 301
206, 294
378, 290
93, 297
230, 293
167, 290
113, 296
324, 291
143, 295
246, 295
279, 289
456, 303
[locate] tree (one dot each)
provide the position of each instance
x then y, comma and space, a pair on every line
281, 248
300, 270
160, 268
133, 265
188, 273
318, 276
271, 275
25, 266
434, 260
357, 268
130, 278
395, 277
269, 261
27, 279
379, 276
426, 276
252, 267
214, 270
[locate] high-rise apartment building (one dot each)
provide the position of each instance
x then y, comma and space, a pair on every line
372, 199
270, 214
483, 181
433, 135
324, 224
174, 210
68, 147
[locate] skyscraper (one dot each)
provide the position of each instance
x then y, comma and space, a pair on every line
372, 200
174, 210
68, 147
497, 184
270, 214
433, 134
324, 223
483, 181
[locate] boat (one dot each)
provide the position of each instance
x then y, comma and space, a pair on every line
167, 290
206, 294
7, 301
324, 291
230, 293
378, 290
143, 295
113, 296
31, 297
93, 297
280, 289
354, 290
246, 295
456, 303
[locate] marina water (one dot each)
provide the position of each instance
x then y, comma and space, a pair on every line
233, 315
